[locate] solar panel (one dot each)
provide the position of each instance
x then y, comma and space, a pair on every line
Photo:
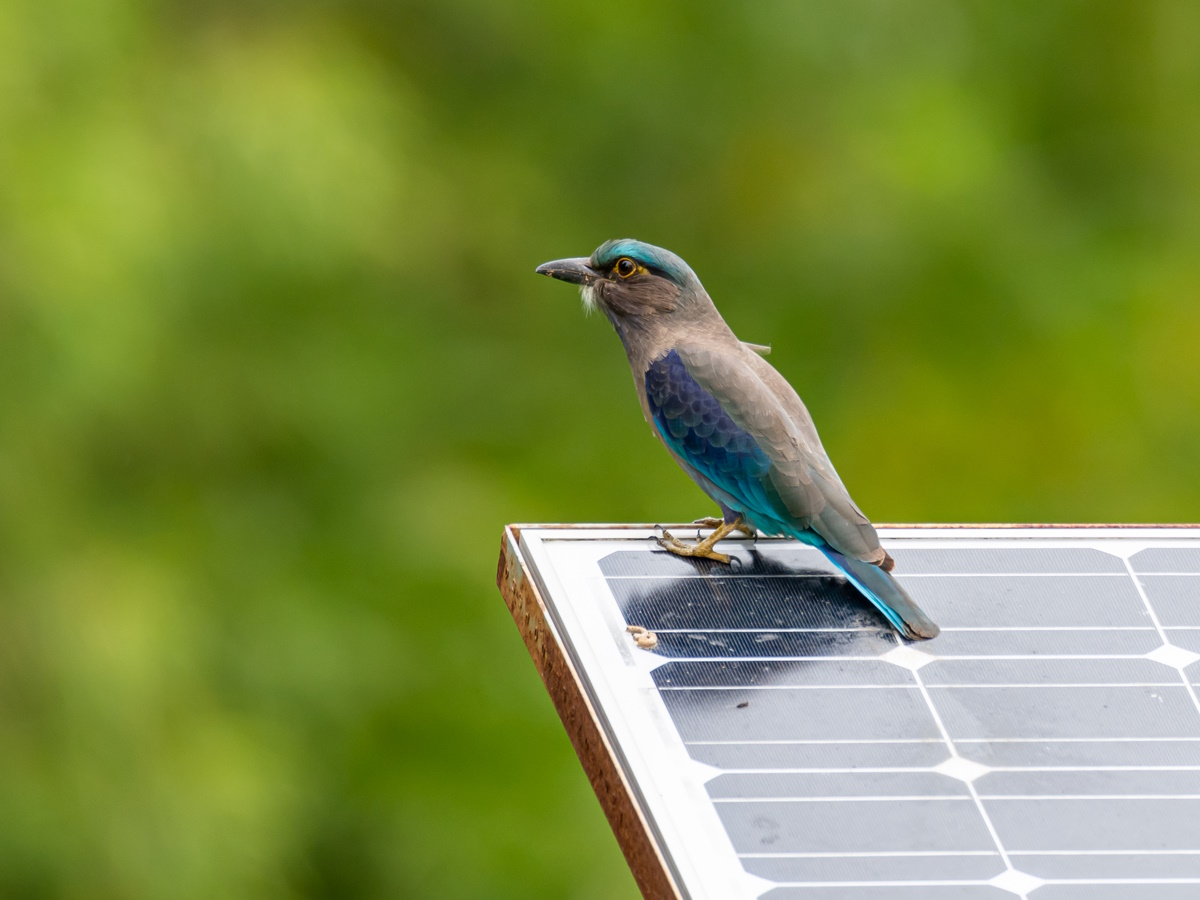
779, 740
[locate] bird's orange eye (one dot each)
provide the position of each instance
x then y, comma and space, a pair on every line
626, 267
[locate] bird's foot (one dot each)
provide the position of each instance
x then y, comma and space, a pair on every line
740, 525
701, 549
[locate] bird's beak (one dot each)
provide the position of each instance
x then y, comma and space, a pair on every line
576, 271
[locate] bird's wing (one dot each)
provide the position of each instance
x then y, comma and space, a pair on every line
792, 479
706, 440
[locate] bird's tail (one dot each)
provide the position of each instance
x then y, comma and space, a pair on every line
887, 595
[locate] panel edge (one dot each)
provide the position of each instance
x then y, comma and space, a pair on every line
642, 854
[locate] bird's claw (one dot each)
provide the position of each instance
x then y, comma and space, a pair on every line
701, 549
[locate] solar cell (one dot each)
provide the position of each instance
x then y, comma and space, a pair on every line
781, 741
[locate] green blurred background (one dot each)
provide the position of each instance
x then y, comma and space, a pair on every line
275, 370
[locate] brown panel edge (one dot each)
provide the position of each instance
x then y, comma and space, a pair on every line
629, 824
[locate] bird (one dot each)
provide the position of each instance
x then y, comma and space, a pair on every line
731, 421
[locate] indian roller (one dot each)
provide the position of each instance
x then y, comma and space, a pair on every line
731, 421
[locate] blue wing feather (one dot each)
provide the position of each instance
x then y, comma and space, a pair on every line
693, 424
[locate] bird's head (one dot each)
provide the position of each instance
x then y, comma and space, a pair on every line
629, 279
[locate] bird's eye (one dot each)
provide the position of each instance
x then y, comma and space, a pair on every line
626, 267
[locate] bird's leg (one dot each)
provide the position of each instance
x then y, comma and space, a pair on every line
739, 525
703, 549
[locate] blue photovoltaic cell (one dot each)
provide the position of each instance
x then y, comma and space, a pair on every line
1176, 598
1167, 559
1011, 561
1013, 601
842, 773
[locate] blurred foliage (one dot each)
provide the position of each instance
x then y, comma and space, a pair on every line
275, 369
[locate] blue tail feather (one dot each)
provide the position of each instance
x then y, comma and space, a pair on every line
886, 594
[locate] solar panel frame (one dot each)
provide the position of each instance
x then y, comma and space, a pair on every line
658, 795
